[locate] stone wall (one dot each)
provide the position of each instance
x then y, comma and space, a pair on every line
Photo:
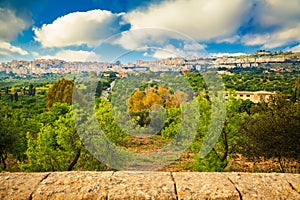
148, 185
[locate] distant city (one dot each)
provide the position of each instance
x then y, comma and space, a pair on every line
40, 67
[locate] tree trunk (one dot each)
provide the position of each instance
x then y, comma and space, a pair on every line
225, 146
281, 165
3, 161
216, 153
74, 162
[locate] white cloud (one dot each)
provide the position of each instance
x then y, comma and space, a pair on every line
184, 21
230, 40
277, 23
79, 28
295, 48
6, 49
255, 39
201, 19
168, 51
70, 55
161, 54
159, 43
10, 24
143, 38
35, 54
194, 47
270, 13
281, 37
227, 54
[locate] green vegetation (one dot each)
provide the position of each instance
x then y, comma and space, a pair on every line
57, 147
38, 132
256, 79
272, 131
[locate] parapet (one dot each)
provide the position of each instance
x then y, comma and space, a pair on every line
148, 185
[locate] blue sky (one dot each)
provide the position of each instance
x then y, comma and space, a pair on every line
101, 30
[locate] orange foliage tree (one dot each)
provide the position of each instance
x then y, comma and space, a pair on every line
141, 102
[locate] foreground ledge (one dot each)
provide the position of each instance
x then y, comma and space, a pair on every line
148, 185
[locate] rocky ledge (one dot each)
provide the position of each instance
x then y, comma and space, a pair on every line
148, 185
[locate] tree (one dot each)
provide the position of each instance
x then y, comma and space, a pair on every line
11, 97
136, 101
297, 86
296, 95
57, 146
31, 91
6, 91
227, 145
151, 99
14, 127
45, 152
108, 123
99, 89
141, 102
272, 131
172, 123
16, 96
61, 91
246, 106
7, 137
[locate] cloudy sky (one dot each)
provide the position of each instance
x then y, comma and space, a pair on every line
126, 30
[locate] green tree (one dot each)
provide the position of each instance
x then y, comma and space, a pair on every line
14, 126
16, 96
61, 92
227, 145
296, 95
108, 123
7, 137
99, 89
6, 91
272, 131
31, 91
172, 123
57, 147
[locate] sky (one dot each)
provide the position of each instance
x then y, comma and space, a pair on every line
128, 30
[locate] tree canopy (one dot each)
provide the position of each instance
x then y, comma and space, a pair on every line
272, 130
61, 91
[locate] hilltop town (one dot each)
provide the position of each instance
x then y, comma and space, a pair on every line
274, 61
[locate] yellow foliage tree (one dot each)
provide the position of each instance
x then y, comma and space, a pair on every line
136, 101
140, 100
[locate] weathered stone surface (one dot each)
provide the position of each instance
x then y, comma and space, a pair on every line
74, 185
263, 186
19, 185
148, 185
142, 185
204, 186
293, 180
